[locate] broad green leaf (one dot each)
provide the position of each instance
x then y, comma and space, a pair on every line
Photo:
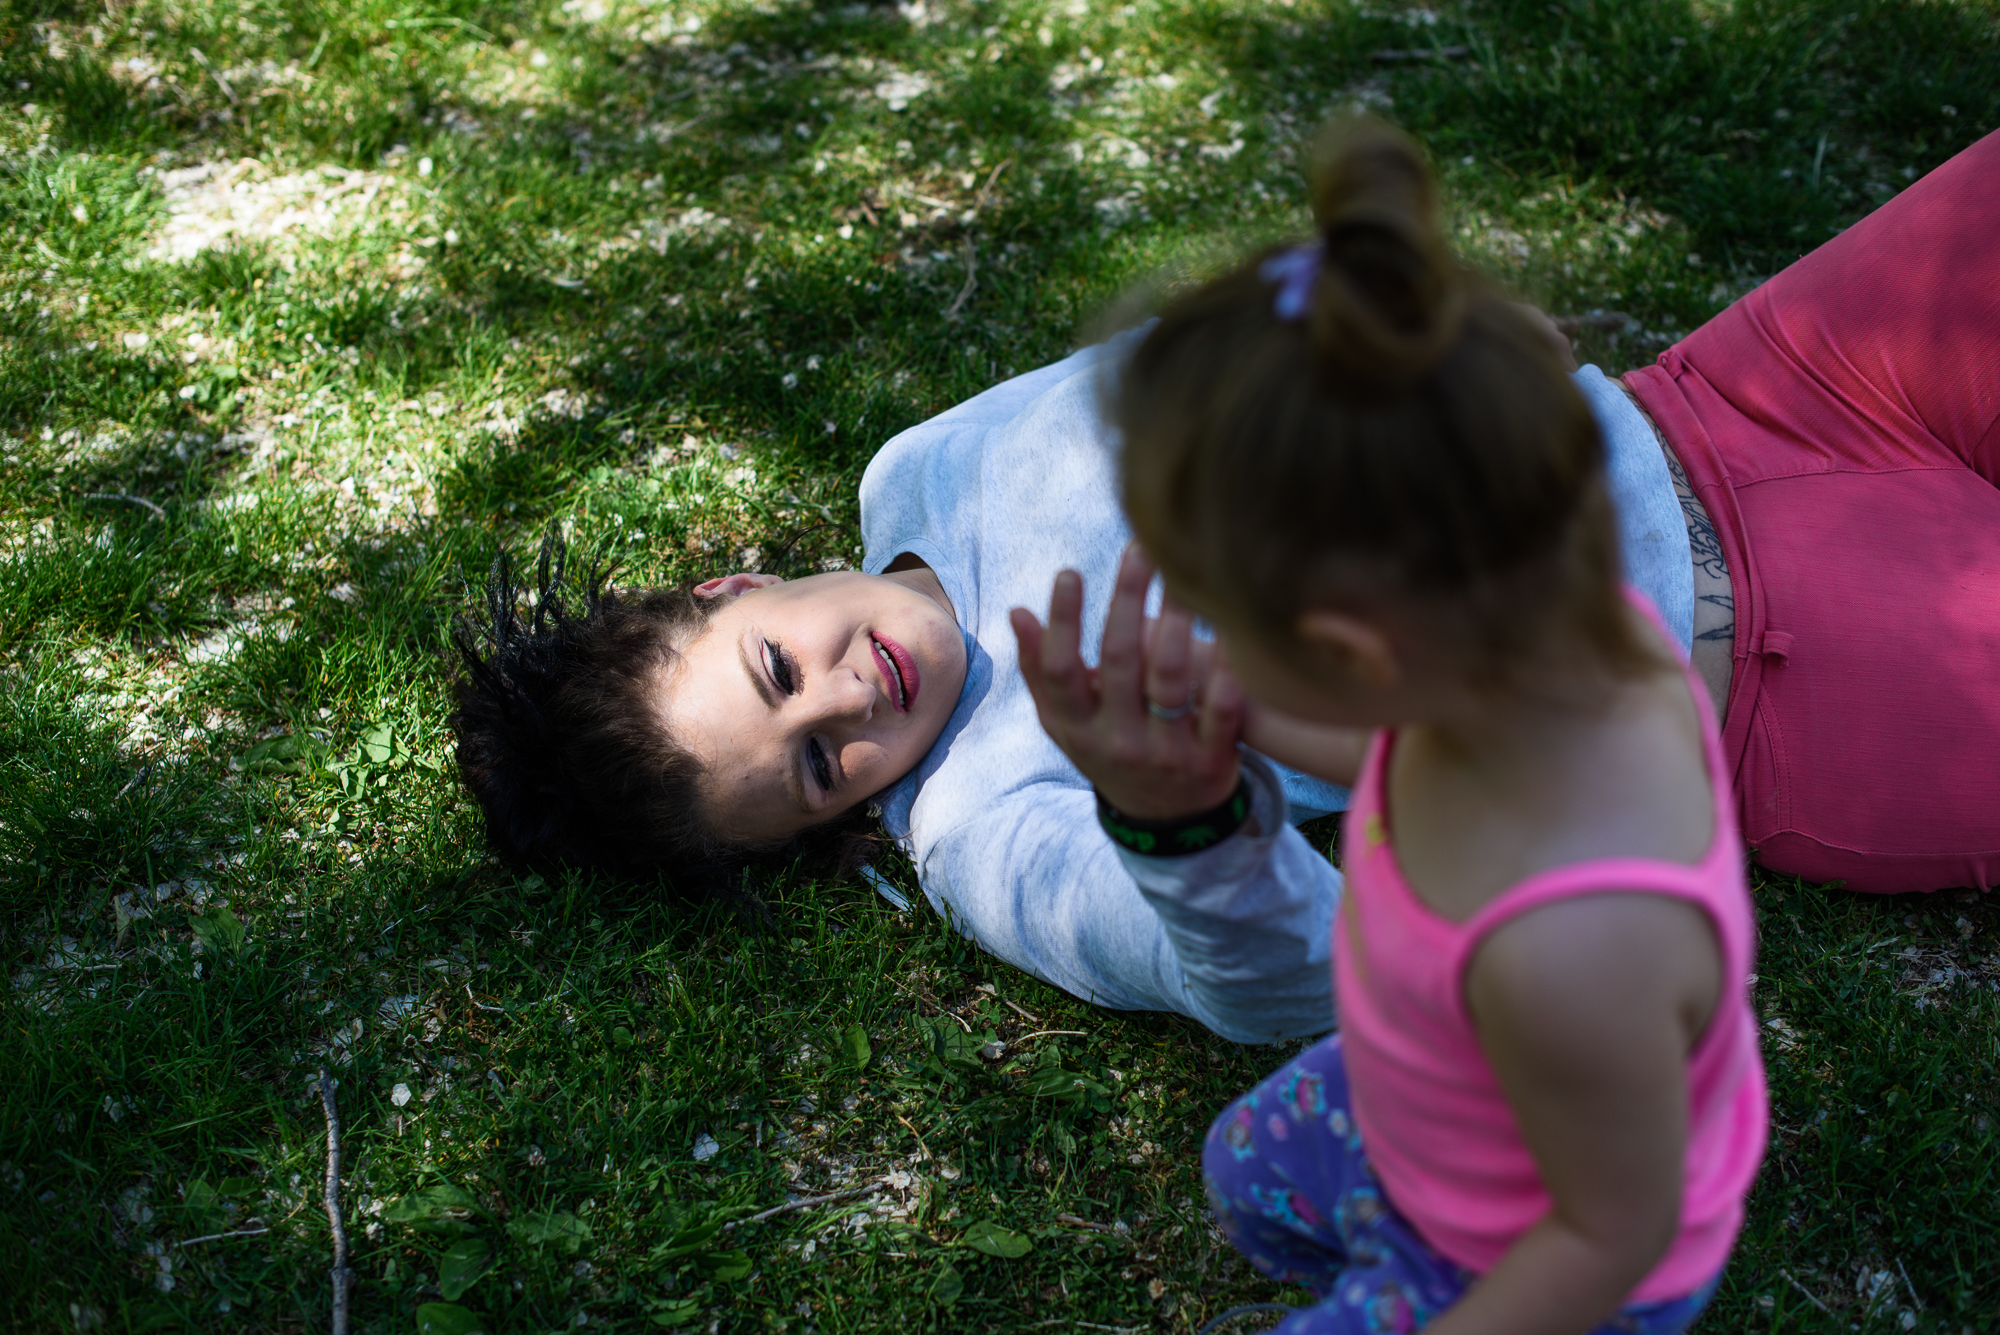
674, 1311
726, 1267
448, 1319
430, 1203
983, 1235
687, 1240
953, 1046
622, 1036
273, 755
238, 1186
378, 744
155, 1316
550, 1228
463, 1266
200, 1196
854, 1045
218, 929
946, 1288
1053, 1082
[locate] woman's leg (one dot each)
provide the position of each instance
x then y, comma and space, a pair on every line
1841, 424
1291, 1188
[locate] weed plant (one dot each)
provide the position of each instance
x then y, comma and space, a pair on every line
310, 307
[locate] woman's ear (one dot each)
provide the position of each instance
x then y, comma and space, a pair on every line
728, 586
1356, 646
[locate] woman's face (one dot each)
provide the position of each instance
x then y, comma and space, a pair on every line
803, 697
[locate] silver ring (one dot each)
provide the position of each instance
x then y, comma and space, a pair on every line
1165, 715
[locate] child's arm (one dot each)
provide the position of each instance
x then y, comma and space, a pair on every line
1587, 1010
1325, 752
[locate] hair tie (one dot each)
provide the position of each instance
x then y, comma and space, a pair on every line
1295, 271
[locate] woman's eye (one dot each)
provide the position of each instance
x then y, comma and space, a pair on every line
822, 770
781, 669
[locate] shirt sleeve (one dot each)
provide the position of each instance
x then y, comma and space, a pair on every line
1238, 937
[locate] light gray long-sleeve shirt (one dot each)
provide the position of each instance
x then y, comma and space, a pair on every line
997, 495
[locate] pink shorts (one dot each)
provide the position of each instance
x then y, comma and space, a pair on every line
1842, 425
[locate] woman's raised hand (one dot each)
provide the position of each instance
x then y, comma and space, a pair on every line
1154, 725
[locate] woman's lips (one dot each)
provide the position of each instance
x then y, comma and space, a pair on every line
903, 693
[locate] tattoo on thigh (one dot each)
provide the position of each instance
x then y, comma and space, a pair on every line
1701, 529
1726, 630
1720, 621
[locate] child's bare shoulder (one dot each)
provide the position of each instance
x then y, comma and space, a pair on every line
1585, 962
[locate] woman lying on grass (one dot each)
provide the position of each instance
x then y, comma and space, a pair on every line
1834, 565
1545, 1104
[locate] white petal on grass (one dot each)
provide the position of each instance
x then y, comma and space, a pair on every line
400, 1095
902, 88
214, 205
705, 1148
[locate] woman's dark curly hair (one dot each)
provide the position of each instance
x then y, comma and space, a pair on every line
561, 736
559, 731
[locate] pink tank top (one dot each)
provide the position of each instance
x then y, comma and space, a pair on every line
1437, 1127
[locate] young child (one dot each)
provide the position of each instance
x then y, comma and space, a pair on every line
1545, 1104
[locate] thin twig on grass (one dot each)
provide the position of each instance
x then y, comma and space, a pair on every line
1051, 1033
979, 200
459, 24
932, 1002
129, 500
1807, 1292
1077, 1221
808, 1203
1906, 1284
928, 1156
1031, 1019
971, 280
218, 1237
1247, 1309
341, 1274
683, 127
1397, 56
214, 74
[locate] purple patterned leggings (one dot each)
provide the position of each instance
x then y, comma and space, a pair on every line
1291, 1188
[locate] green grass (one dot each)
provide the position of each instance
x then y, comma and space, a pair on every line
355, 292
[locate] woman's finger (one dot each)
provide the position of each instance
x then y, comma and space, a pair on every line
1028, 635
1169, 669
1061, 659
1120, 661
1220, 720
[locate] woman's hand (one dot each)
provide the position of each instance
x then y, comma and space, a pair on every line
1172, 760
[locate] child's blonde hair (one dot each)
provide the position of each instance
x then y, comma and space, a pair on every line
1397, 425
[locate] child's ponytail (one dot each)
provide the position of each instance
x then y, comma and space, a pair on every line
1362, 412
1389, 298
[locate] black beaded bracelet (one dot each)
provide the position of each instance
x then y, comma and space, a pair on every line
1177, 838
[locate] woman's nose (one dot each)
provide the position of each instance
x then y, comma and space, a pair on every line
846, 697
